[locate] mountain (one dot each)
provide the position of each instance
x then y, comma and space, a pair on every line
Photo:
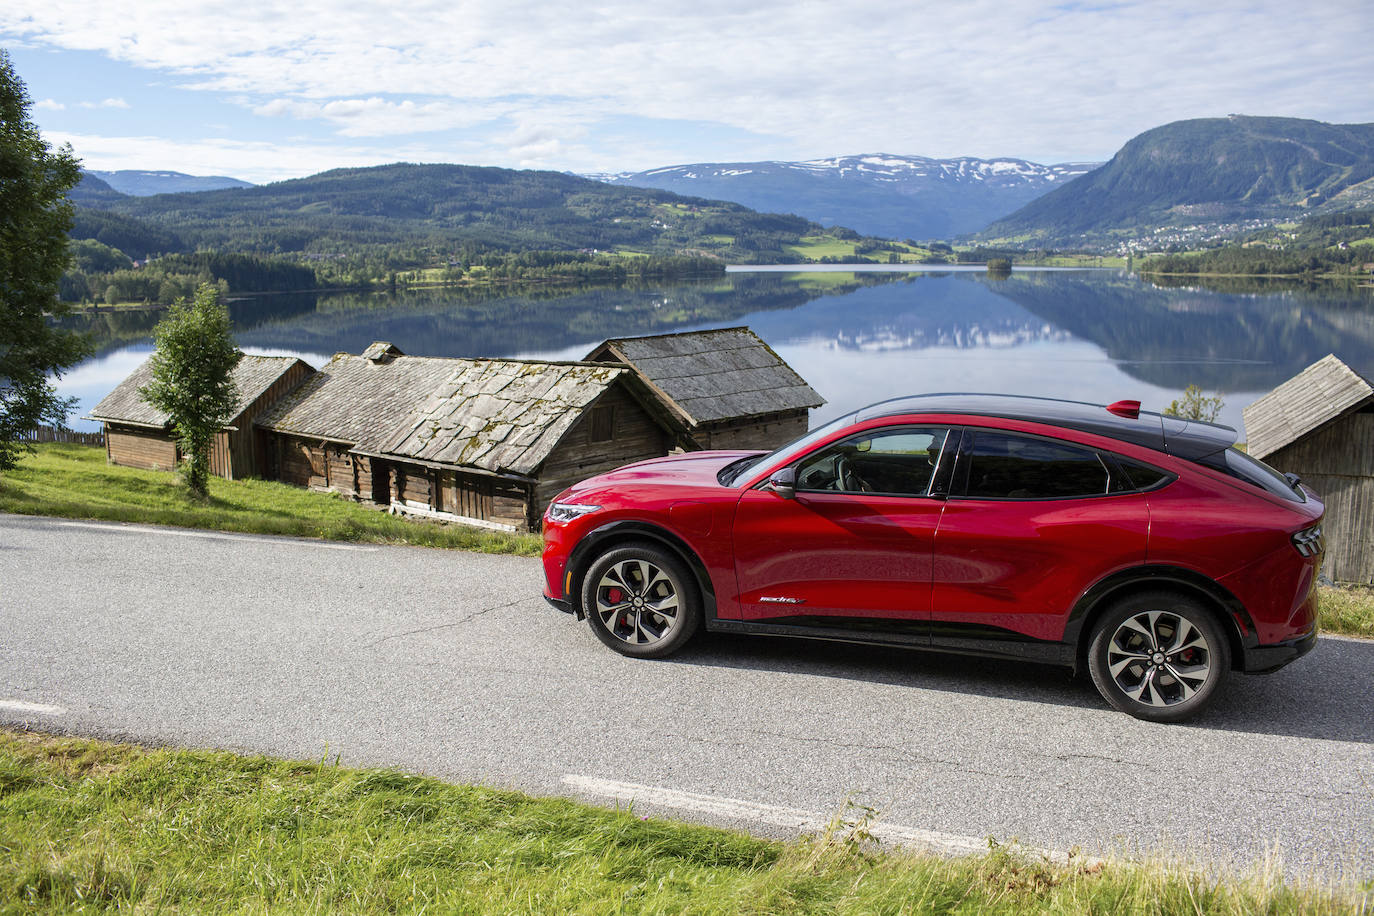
879, 194
452, 207
1208, 171
144, 184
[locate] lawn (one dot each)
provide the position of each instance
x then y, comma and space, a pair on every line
73, 481
87, 826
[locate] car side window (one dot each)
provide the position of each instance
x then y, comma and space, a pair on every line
897, 462
1010, 466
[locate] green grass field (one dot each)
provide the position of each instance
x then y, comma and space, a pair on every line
73, 481
87, 826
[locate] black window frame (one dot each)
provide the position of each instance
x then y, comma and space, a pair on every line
938, 488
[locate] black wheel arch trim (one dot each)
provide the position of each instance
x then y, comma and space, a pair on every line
596, 541
1243, 625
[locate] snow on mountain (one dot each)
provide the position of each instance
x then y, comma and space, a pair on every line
875, 193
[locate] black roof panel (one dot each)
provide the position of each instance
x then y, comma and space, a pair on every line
1190, 439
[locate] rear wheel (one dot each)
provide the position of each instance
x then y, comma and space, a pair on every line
641, 601
1159, 656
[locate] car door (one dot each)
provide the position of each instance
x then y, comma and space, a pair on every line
1030, 523
855, 543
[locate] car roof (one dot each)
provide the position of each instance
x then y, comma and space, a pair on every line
1189, 439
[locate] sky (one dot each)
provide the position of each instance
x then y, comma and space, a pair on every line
265, 90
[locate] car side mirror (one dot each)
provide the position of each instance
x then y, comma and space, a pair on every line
784, 483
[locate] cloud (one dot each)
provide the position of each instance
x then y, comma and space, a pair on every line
107, 103
49, 105
983, 77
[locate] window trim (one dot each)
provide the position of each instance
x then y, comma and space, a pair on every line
937, 488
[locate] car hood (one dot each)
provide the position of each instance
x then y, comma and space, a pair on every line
688, 469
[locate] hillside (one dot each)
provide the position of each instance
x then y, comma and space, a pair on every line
140, 183
1207, 171
881, 194
459, 211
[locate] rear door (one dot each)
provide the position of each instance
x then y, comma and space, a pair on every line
1031, 522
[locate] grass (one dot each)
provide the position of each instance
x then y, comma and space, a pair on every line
90, 826
1348, 611
73, 481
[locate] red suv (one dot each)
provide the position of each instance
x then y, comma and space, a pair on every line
1144, 547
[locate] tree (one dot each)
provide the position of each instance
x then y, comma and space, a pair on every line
34, 218
1195, 405
192, 379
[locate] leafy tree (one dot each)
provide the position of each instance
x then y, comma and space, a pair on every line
34, 218
192, 380
1195, 405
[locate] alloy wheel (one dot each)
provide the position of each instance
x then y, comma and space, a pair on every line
1159, 658
637, 602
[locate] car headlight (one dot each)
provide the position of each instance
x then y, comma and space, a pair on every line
566, 512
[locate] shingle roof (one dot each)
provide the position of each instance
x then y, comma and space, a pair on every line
494, 414
357, 400
500, 415
1323, 391
713, 375
253, 375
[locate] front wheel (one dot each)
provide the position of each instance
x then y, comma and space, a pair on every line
1158, 656
641, 601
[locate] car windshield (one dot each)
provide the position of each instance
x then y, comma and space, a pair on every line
737, 470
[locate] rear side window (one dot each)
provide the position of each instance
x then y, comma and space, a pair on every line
1010, 466
1247, 468
1138, 476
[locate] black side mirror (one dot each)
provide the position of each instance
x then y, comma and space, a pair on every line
784, 483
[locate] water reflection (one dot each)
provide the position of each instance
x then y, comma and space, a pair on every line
1093, 335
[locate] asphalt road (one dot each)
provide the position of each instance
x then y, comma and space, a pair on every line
451, 664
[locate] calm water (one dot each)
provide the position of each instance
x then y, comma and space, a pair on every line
856, 337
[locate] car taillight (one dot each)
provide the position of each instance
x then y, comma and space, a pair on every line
1309, 541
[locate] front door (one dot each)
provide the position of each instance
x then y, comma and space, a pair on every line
857, 540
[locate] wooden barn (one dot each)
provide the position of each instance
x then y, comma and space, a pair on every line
726, 387
139, 435
483, 441
1320, 425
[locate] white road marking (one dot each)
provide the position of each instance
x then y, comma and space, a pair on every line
792, 818
38, 709
214, 535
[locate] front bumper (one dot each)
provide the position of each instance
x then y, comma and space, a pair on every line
562, 604
1264, 659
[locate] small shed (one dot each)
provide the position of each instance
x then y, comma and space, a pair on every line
483, 441
1320, 425
139, 435
726, 387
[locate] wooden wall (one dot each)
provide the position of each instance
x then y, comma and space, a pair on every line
140, 447
1337, 463
635, 436
766, 432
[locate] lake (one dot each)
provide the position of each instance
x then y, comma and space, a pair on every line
855, 336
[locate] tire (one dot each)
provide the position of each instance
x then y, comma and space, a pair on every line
1159, 656
641, 600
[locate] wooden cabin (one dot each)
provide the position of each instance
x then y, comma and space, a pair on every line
1320, 425
483, 441
139, 435
726, 387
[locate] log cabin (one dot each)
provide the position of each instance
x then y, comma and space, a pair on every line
1319, 425
139, 435
482, 441
726, 388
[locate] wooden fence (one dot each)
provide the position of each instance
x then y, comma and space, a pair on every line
48, 434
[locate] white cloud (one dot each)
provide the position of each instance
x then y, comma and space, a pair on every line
107, 103
49, 105
983, 77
